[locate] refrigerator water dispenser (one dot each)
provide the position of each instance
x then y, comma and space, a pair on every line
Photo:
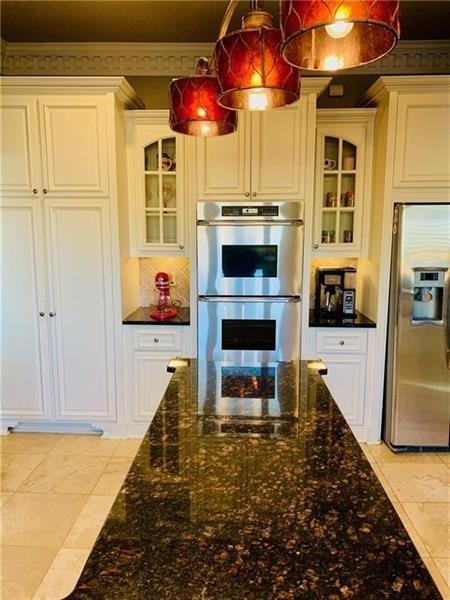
428, 294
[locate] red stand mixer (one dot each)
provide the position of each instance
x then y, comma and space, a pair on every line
165, 309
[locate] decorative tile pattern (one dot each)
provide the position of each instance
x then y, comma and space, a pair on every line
148, 267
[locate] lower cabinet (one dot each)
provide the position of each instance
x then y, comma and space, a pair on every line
347, 353
148, 350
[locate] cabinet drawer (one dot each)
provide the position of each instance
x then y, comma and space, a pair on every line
342, 341
157, 339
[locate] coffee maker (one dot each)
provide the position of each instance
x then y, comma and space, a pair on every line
335, 292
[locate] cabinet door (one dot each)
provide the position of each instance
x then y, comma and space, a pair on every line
223, 164
20, 164
150, 382
340, 189
24, 353
278, 169
422, 144
74, 145
81, 299
346, 380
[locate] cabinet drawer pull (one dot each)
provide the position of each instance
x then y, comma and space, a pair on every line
51, 314
45, 190
156, 340
315, 246
42, 314
247, 194
254, 194
341, 342
35, 191
181, 247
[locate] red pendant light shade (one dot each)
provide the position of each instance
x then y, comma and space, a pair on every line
251, 71
326, 35
194, 109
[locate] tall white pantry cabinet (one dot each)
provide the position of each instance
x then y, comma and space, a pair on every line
60, 188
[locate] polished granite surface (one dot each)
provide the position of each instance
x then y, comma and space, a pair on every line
141, 316
250, 485
359, 320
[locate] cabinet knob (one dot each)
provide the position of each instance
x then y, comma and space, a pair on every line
156, 340
253, 194
181, 247
51, 314
42, 314
247, 194
315, 246
35, 191
45, 190
341, 342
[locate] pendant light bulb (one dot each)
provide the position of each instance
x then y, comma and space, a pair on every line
333, 63
257, 100
339, 29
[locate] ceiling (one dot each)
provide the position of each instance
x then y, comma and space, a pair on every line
167, 20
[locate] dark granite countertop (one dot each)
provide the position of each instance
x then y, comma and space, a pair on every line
359, 320
141, 316
249, 485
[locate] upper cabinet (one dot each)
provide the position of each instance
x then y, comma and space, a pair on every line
343, 179
68, 158
261, 161
155, 184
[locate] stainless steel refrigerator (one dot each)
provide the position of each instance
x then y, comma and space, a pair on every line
417, 392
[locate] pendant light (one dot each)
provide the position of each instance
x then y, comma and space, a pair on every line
327, 35
250, 69
193, 105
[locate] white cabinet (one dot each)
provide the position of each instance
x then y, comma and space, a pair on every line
260, 161
61, 318
347, 354
155, 185
343, 180
147, 352
270, 157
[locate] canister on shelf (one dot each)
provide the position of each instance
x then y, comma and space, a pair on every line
331, 200
348, 236
327, 236
350, 198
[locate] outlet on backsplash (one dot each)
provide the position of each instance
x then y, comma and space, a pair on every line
178, 269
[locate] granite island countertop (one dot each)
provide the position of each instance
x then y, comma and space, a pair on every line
249, 485
141, 316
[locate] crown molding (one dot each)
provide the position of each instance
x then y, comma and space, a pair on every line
172, 60
410, 84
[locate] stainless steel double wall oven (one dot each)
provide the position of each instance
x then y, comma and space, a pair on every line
249, 259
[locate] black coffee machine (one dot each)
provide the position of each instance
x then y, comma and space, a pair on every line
335, 292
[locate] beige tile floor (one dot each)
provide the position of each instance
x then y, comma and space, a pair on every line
56, 491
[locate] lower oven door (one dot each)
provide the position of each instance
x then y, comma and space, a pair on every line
248, 329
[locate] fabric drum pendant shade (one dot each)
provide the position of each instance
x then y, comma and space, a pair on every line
327, 35
194, 109
251, 71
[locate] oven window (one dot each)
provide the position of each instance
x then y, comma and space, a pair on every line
249, 261
248, 334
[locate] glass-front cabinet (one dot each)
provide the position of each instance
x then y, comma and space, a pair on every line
155, 185
343, 180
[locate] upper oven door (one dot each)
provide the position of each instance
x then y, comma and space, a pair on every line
249, 260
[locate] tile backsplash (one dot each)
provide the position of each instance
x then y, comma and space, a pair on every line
320, 263
148, 267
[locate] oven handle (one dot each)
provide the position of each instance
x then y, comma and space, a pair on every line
293, 223
273, 299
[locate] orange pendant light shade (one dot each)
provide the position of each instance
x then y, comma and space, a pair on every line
251, 71
327, 35
194, 109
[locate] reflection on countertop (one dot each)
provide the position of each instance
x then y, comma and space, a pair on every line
141, 316
252, 515
359, 320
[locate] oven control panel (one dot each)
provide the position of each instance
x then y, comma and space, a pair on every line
250, 211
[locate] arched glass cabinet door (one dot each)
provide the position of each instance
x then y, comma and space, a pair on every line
339, 193
161, 207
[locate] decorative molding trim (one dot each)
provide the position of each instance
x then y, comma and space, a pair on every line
422, 84
408, 57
